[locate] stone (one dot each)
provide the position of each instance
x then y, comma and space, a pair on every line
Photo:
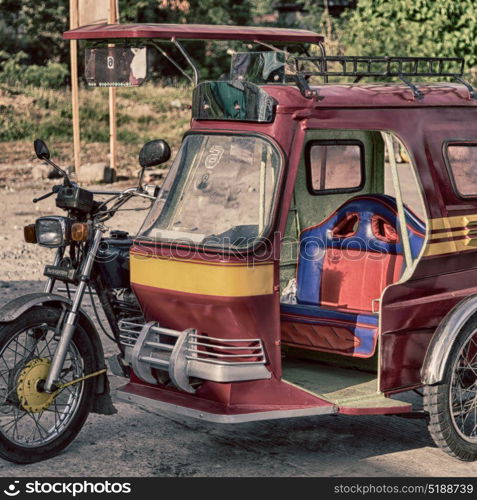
44, 171
96, 172
154, 175
40, 172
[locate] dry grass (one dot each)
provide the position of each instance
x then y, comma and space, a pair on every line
143, 114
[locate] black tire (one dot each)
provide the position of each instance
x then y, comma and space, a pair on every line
437, 402
13, 451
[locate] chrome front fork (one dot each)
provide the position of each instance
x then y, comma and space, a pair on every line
72, 315
51, 281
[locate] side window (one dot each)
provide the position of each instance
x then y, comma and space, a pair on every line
462, 161
334, 166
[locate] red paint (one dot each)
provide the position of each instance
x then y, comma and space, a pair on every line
191, 32
351, 279
222, 317
319, 337
410, 311
248, 397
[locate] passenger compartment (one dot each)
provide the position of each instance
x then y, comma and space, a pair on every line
344, 264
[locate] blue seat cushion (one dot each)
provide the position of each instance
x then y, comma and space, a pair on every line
331, 252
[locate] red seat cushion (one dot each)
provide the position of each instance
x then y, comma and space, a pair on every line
351, 279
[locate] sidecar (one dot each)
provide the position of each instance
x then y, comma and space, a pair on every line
313, 249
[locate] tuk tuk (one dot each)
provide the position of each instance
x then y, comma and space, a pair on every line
311, 251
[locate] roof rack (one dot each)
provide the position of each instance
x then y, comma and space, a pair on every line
400, 67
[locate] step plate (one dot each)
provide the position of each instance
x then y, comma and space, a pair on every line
157, 399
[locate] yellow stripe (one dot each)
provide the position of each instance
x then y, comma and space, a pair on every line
450, 234
449, 223
448, 247
193, 277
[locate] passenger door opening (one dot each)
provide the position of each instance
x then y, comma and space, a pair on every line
357, 226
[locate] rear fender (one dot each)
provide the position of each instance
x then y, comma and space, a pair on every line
15, 308
438, 352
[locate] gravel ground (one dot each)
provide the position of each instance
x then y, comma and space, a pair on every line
137, 442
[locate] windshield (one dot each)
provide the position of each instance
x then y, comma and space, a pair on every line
219, 192
258, 67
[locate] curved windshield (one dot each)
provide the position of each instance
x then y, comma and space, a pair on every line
219, 192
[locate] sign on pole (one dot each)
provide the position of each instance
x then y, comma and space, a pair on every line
93, 12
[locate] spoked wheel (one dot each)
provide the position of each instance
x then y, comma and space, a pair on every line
35, 425
452, 405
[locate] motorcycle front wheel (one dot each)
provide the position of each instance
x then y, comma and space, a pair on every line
34, 425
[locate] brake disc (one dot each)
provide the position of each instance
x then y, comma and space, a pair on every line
30, 397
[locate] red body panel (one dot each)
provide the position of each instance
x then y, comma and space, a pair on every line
267, 396
191, 32
221, 317
410, 312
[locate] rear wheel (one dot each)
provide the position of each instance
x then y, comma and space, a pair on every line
35, 425
452, 404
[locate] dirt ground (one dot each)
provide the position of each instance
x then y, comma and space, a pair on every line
137, 442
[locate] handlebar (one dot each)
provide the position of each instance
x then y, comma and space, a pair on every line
81, 201
116, 193
47, 195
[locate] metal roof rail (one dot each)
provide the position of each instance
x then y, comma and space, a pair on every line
398, 67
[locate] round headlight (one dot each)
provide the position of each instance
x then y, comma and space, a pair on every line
51, 231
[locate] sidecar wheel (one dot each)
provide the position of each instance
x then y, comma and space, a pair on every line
35, 426
452, 404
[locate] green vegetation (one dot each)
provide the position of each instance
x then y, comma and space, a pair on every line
34, 60
142, 115
412, 28
30, 112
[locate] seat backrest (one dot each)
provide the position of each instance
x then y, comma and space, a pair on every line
348, 259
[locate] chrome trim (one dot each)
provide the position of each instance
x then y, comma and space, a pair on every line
69, 325
239, 372
219, 418
433, 368
140, 356
63, 222
190, 355
179, 369
50, 282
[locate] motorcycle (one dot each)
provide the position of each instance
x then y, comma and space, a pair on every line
52, 367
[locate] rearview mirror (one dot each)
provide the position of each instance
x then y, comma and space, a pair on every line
41, 150
154, 153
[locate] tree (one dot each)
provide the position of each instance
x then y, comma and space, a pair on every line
35, 29
210, 57
412, 28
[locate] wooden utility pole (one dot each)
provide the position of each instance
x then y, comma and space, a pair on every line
74, 85
112, 19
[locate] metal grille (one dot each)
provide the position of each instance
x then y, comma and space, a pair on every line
220, 351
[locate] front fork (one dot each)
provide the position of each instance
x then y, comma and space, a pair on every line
70, 323
31, 340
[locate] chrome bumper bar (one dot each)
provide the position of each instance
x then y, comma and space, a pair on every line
185, 354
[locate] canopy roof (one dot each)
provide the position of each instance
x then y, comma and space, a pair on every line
191, 32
